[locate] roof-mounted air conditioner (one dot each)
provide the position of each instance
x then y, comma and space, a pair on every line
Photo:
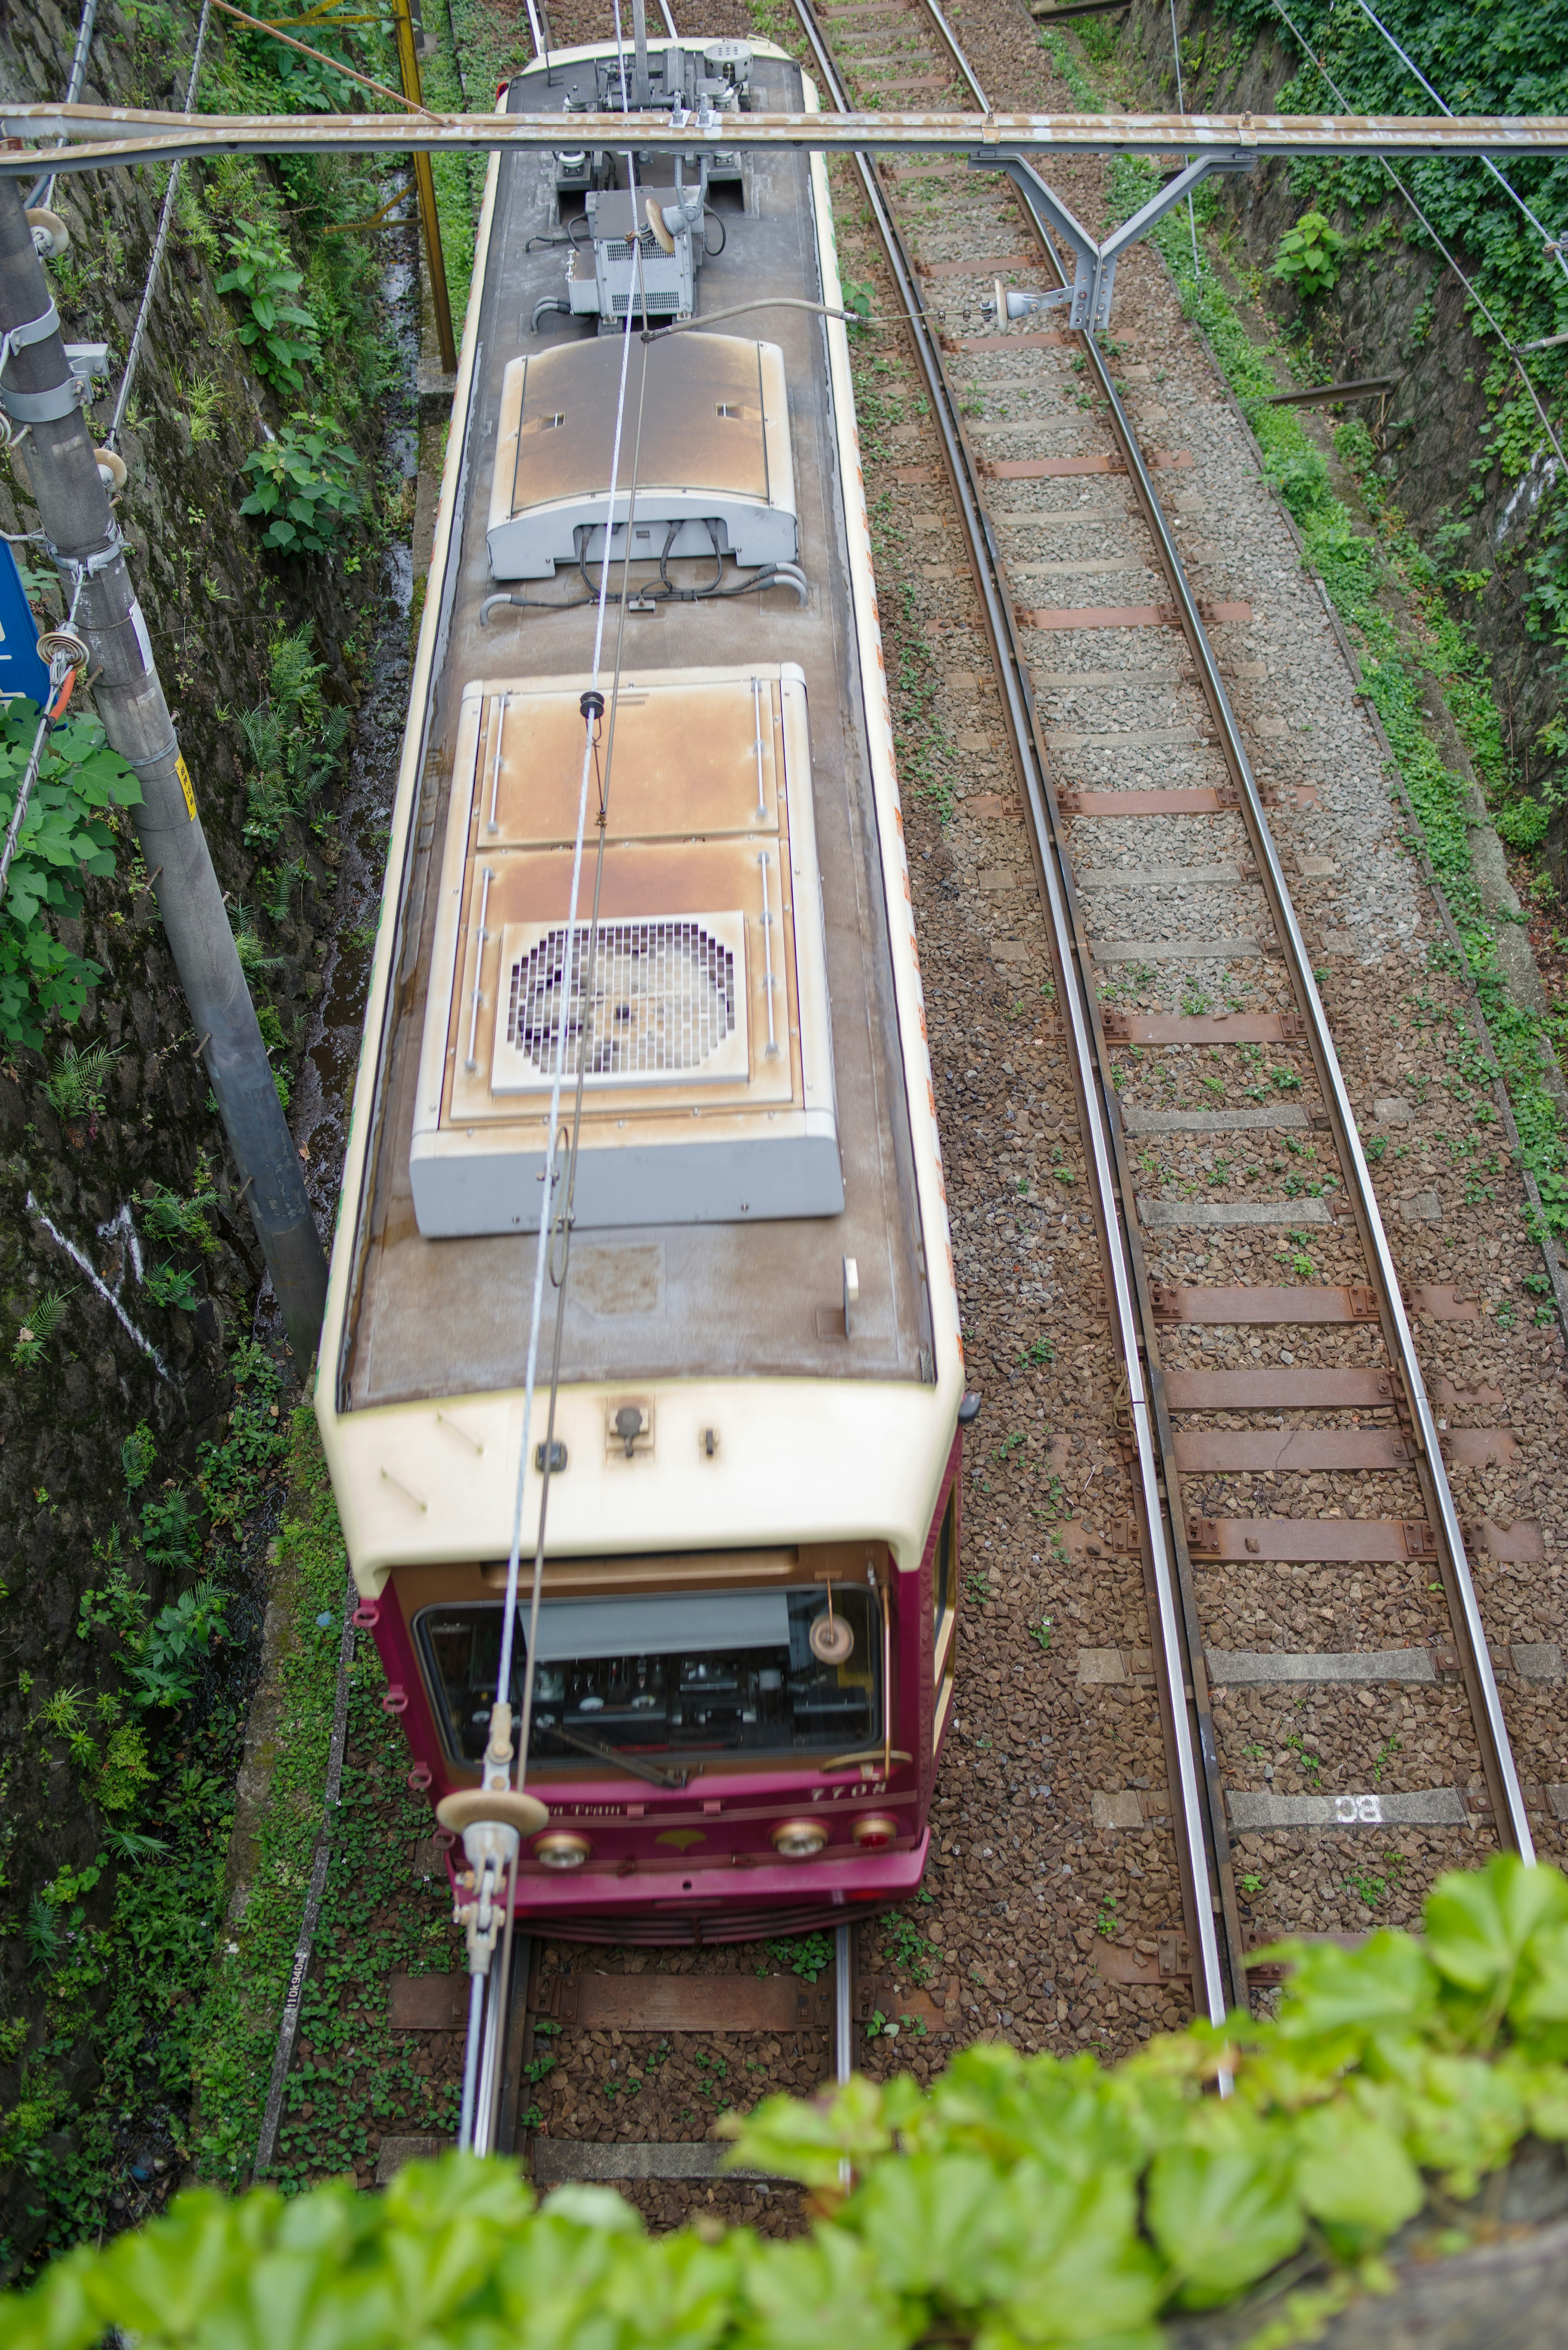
714, 471
699, 1004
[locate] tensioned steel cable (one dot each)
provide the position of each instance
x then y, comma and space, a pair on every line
43, 188
1181, 109
551, 1178
155, 264
1473, 291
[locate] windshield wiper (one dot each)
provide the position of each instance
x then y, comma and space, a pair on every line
651, 1772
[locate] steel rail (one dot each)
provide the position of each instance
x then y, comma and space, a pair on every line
117, 137
1509, 1814
1080, 1018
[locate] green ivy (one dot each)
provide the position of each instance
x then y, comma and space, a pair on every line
64, 834
1022, 2200
1503, 57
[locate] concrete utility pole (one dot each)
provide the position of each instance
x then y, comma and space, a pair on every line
38, 389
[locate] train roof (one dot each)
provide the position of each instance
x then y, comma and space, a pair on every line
723, 1185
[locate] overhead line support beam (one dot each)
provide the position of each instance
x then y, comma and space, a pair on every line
116, 136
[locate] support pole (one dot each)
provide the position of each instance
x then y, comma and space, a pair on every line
84, 539
641, 87
424, 186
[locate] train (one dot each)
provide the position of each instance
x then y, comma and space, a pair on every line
746, 1644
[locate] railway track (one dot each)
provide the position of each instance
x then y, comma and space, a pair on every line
615, 2062
1363, 1425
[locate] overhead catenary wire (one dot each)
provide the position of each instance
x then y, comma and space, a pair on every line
43, 188
550, 1178
155, 264
1181, 109
1472, 290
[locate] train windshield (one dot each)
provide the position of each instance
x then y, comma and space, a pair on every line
682, 1675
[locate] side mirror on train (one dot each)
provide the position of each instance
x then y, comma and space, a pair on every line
969, 1409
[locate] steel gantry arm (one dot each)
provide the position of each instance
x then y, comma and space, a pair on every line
1088, 299
116, 136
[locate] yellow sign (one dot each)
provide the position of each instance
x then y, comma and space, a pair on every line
183, 772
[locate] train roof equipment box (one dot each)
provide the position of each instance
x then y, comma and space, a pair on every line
714, 474
709, 1095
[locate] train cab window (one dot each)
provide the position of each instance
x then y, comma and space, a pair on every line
682, 1675
944, 1565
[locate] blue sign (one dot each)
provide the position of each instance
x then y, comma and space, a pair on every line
21, 670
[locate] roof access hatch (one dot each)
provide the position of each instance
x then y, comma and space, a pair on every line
701, 1005
715, 475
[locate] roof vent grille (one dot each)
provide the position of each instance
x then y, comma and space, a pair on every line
664, 1000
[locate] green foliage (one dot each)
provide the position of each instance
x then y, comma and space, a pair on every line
171, 1285
231, 1476
1308, 255
804, 1954
304, 483
1059, 49
62, 835
907, 1950
136, 1455
42, 1320
294, 738
1023, 2200
282, 337
126, 1769
77, 1079
1523, 823
170, 1218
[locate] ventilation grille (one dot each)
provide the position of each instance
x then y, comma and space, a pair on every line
619, 248
651, 300
666, 1001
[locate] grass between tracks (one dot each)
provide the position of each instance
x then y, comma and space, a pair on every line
1389, 593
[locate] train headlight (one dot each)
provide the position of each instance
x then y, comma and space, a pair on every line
874, 1829
799, 1840
561, 1849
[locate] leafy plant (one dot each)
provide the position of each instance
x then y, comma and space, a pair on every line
62, 835
136, 1455
294, 737
1309, 255
808, 1955
203, 399
255, 960
77, 1079
125, 1769
170, 1218
231, 1476
42, 1320
168, 1531
907, 1950
282, 337
170, 1285
304, 483
1020, 2199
